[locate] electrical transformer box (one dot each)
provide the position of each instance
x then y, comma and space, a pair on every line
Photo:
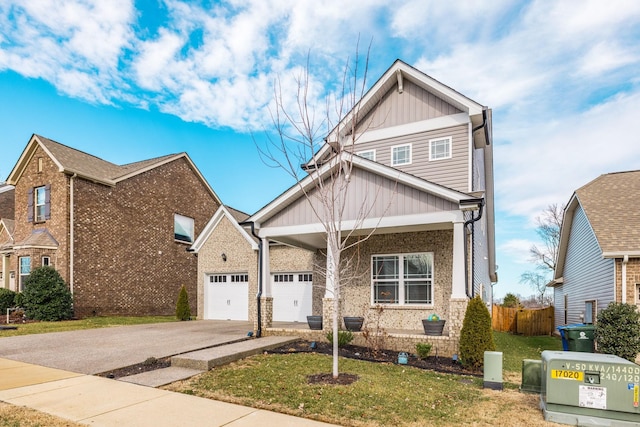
590, 389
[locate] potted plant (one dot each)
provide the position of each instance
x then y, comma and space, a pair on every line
353, 323
315, 322
433, 325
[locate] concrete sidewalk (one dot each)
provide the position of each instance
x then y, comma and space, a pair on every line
98, 401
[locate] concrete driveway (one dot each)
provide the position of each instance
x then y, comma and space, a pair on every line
93, 351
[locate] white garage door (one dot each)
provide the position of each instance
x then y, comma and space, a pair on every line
226, 296
292, 296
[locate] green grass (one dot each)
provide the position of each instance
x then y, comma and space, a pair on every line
88, 323
515, 348
384, 394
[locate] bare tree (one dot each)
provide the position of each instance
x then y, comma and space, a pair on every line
548, 226
324, 144
537, 282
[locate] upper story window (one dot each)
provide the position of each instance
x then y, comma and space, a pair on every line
46, 261
440, 148
402, 279
368, 154
183, 228
39, 204
401, 155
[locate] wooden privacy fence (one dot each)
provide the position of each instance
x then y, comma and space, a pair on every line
522, 321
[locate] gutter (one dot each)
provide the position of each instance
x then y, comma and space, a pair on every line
483, 125
259, 295
480, 204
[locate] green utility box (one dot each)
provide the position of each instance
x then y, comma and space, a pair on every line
589, 389
493, 370
531, 376
581, 338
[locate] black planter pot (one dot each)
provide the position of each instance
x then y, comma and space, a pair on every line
353, 324
433, 327
315, 322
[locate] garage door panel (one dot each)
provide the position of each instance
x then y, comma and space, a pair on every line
292, 298
226, 300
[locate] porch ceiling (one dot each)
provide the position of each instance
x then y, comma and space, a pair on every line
314, 238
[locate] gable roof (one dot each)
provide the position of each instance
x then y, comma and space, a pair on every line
395, 76
609, 205
298, 189
75, 162
9, 226
223, 212
39, 238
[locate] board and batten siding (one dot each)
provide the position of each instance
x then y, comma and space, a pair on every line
452, 173
412, 105
367, 192
587, 276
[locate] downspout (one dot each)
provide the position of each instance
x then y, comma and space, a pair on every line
259, 295
467, 223
483, 125
71, 235
625, 260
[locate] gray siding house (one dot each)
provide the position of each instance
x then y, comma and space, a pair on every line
599, 253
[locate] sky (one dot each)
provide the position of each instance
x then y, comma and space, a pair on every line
128, 80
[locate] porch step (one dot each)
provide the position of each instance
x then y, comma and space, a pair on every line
204, 360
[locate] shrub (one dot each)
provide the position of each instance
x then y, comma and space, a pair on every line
476, 336
617, 331
7, 299
183, 312
46, 296
344, 337
423, 349
18, 300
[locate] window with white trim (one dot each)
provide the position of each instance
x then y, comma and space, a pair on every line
440, 148
46, 261
183, 228
240, 278
401, 155
306, 277
368, 154
402, 279
40, 203
218, 278
25, 270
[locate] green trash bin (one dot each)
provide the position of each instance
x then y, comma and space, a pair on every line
581, 338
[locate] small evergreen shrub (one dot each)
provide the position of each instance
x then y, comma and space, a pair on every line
18, 300
423, 349
476, 335
344, 337
7, 300
617, 331
183, 312
46, 296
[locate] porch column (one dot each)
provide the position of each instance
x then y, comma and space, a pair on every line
458, 281
266, 270
5, 272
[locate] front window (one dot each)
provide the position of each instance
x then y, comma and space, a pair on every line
440, 148
40, 203
402, 279
401, 155
183, 228
25, 270
369, 154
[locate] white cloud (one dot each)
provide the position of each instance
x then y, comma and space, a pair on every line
518, 250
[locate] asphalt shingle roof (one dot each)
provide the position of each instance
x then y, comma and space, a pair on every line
610, 203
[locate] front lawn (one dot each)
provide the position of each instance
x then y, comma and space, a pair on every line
88, 323
384, 394
515, 348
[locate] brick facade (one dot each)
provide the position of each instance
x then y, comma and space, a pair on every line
7, 203
633, 281
126, 259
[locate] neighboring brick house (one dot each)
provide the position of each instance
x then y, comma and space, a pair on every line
422, 159
599, 251
7, 202
117, 234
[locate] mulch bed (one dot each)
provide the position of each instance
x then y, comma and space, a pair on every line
433, 363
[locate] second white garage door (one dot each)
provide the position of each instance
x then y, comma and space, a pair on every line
292, 296
226, 297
